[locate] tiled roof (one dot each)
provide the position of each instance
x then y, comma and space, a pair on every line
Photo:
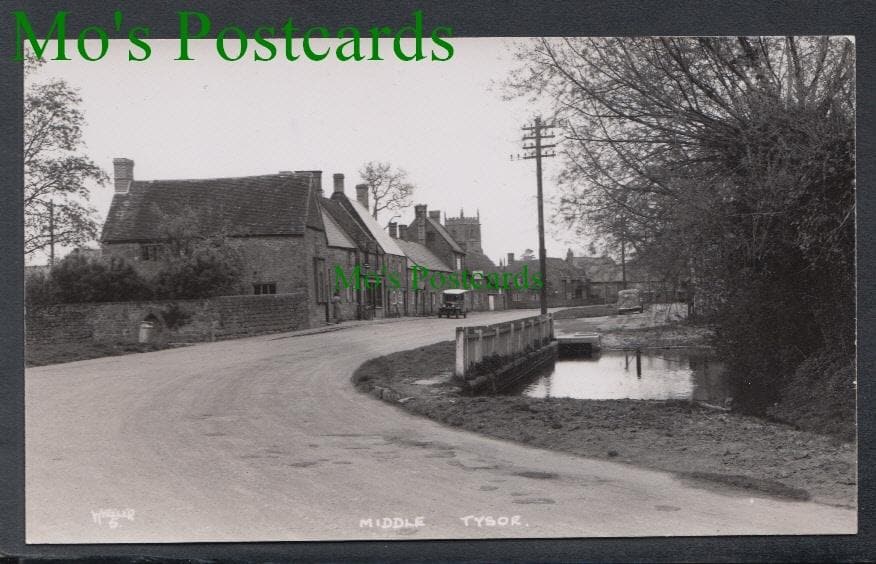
338, 211
556, 267
251, 205
420, 255
386, 242
443, 232
475, 260
586, 262
605, 272
334, 235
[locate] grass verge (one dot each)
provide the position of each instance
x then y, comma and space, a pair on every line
750, 455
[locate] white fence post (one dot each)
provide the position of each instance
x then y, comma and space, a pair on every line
461, 357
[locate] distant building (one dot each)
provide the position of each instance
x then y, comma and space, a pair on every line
606, 278
458, 244
567, 285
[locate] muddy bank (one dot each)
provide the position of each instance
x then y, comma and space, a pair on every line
724, 450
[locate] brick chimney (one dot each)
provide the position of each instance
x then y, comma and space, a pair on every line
338, 179
420, 213
123, 174
403, 232
362, 194
316, 178
510, 258
393, 229
436, 215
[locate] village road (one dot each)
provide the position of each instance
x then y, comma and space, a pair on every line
265, 438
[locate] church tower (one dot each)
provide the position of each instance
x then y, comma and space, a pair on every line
465, 230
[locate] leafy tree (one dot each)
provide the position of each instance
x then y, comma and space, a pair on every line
55, 171
199, 261
78, 278
389, 188
39, 288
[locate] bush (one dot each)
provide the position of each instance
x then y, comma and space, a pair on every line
39, 288
80, 279
206, 272
820, 396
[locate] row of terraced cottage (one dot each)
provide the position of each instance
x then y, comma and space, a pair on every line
293, 238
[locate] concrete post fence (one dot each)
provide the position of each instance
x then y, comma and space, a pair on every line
473, 344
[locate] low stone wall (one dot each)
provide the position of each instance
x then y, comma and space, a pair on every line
507, 340
174, 321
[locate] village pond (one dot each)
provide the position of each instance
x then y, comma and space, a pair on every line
666, 374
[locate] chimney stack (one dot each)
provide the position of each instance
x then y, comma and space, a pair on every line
362, 194
436, 215
420, 211
123, 174
510, 258
316, 178
393, 229
403, 232
338, 182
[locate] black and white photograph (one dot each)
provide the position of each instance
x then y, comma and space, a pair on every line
333, 288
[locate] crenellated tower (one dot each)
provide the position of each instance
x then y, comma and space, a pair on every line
465, 230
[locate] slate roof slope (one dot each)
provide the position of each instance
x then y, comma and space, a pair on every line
353, 229
420, 255
334, 235
444, 233
605, 272
479, 261
556, 267
587, 262
387, 243
250, 205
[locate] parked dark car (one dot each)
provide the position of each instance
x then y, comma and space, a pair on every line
452, 303
629, 301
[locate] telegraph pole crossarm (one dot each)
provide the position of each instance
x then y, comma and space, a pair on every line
537, 150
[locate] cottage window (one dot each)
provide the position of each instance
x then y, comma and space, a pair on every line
319, 279
151, 252
265, 288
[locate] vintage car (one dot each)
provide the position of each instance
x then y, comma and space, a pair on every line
629, 301
452, 303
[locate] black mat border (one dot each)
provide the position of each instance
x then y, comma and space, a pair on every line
484, 18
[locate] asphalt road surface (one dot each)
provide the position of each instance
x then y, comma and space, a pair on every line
265, 438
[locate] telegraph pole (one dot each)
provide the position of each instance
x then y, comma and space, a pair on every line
537, 150
51, 233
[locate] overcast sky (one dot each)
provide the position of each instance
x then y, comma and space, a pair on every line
444, 122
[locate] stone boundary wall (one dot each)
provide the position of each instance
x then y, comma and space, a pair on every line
173, 320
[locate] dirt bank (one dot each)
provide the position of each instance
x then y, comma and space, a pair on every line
710, 447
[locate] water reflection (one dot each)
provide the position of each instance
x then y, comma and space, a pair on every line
665, 374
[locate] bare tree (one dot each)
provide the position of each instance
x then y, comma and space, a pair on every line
56, 174
389, 189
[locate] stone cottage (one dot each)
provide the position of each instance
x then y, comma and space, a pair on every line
274, 221
380, 258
